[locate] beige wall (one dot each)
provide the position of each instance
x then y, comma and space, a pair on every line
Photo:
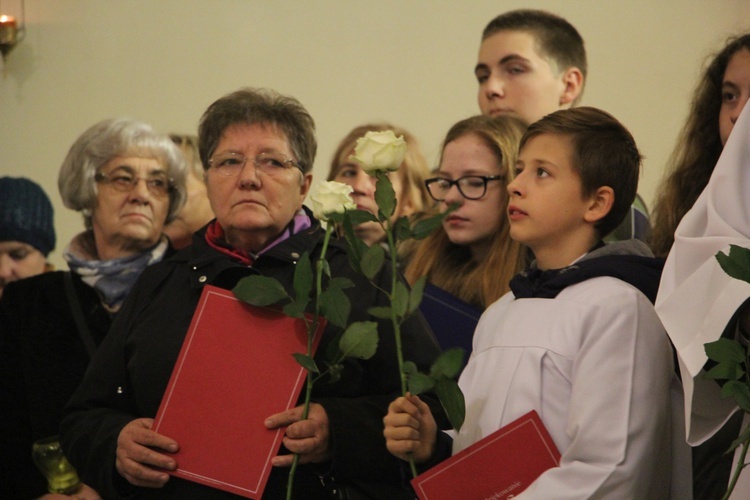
409, 62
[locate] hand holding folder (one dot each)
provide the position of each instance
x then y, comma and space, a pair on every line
234, 370
498, 466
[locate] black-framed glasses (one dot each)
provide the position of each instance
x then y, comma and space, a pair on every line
231, 164
471, 187
158, 185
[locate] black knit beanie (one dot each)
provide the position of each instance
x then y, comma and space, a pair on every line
26, 214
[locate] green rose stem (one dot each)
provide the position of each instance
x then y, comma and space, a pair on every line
733, 359
397, 333
394, 319
743, 439
312, 327
740, 465
380, 153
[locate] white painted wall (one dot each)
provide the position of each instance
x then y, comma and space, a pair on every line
348, 61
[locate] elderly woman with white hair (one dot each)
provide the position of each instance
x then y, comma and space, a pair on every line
127, 181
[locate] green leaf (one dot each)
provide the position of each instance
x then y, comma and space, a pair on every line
448, 364
424, 227
355, 247
335, 306
738, 391
400, 299
360, 340
334, 218
419, 383
326, 268
385, 197
452, 399
357, 217
410, 367
737, 263
380, 312
743, 438
306, 362
303, 277
401, 229
417, 290
340, 283
726, 370
725, 350
296, 309
372, 261
260, 290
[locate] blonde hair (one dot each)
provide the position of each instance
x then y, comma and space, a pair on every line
188, 144
450, 266
413, 170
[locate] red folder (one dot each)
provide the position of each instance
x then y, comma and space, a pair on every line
496, 467
235, 369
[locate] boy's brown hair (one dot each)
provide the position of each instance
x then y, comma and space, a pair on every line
556, 39
604, 153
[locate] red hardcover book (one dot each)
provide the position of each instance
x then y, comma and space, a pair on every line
235, 369
496, 467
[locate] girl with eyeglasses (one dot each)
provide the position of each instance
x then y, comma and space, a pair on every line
472, 255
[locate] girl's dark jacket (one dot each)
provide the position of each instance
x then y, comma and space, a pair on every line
141, 349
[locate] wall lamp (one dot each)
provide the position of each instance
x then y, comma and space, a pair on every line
12, 30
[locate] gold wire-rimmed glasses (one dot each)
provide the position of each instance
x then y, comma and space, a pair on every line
158, 185
231, 164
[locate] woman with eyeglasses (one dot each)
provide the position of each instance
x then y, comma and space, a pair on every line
257, 148
408, 181
127, 181
472, 256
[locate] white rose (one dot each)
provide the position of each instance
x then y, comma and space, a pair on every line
331, 197
378, 151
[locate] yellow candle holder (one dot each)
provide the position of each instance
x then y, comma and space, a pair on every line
50, 460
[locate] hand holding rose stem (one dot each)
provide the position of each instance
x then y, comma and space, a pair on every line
359, 339
379, 153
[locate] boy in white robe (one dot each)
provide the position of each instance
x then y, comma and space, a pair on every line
577, 339
698, 301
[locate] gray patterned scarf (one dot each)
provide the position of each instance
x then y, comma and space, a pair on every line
112, 279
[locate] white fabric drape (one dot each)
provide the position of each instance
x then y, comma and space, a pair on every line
696, 297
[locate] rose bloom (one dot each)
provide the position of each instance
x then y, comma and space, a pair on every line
380, 151
331, 197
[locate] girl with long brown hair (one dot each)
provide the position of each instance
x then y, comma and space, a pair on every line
472, 255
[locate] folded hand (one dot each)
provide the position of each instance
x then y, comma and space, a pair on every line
137, 459
410, 430
310, 438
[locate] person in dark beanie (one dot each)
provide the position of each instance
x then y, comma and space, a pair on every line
127, 181
27, 232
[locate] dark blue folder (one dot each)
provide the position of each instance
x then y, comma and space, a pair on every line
452, 320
